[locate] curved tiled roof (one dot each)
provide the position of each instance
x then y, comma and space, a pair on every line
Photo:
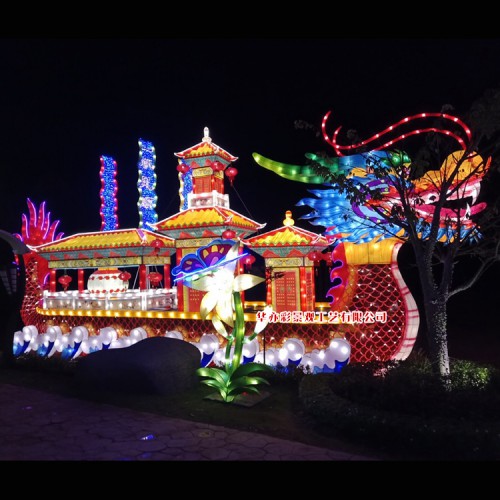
106, 239
287, 236
206, 149
206, 217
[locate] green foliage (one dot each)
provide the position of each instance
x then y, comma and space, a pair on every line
403, 406
235, 378
230, 385
412, 387
468, 375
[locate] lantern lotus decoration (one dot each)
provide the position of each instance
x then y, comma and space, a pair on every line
212, 270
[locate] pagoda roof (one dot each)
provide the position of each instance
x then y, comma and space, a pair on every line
206, 148
287, 236
107, 248
207, 217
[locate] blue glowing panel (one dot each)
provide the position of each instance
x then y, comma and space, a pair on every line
147, 185
109, 188
186, 187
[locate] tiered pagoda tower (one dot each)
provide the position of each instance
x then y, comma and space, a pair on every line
204, 208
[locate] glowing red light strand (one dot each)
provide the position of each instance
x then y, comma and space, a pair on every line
338, 148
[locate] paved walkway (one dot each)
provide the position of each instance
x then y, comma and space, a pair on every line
36, 425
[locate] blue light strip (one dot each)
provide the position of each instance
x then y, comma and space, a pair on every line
187, 187
109, 188
147, 185
208, 270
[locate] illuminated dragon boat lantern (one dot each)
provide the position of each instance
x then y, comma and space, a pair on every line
370, 301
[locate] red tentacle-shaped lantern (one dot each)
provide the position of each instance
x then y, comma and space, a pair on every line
65, 280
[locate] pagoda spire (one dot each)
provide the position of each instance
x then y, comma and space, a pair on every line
206, 136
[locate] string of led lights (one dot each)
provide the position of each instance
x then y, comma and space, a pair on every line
146, 185
338, 148
109, 188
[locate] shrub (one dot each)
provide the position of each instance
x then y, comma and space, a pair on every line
468, 375
402, 405
409, 436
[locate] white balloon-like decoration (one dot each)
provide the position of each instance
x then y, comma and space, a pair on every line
331, 359
218, 358
341, 348
307, 363
121, 343
250, 350
209, 343
138, 334
25, 340
78, 341
198, 346
295, 349
269, 356
174, 334
49, 341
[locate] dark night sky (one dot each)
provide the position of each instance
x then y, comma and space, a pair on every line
65, 102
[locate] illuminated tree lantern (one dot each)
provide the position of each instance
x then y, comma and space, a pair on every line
155, 279
65, 280
231, 173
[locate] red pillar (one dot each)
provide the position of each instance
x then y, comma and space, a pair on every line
166, 276
303, 288
52, 282
81, 280
143, 284
269, 291
180, 287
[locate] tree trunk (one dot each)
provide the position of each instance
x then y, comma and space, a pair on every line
437, 336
